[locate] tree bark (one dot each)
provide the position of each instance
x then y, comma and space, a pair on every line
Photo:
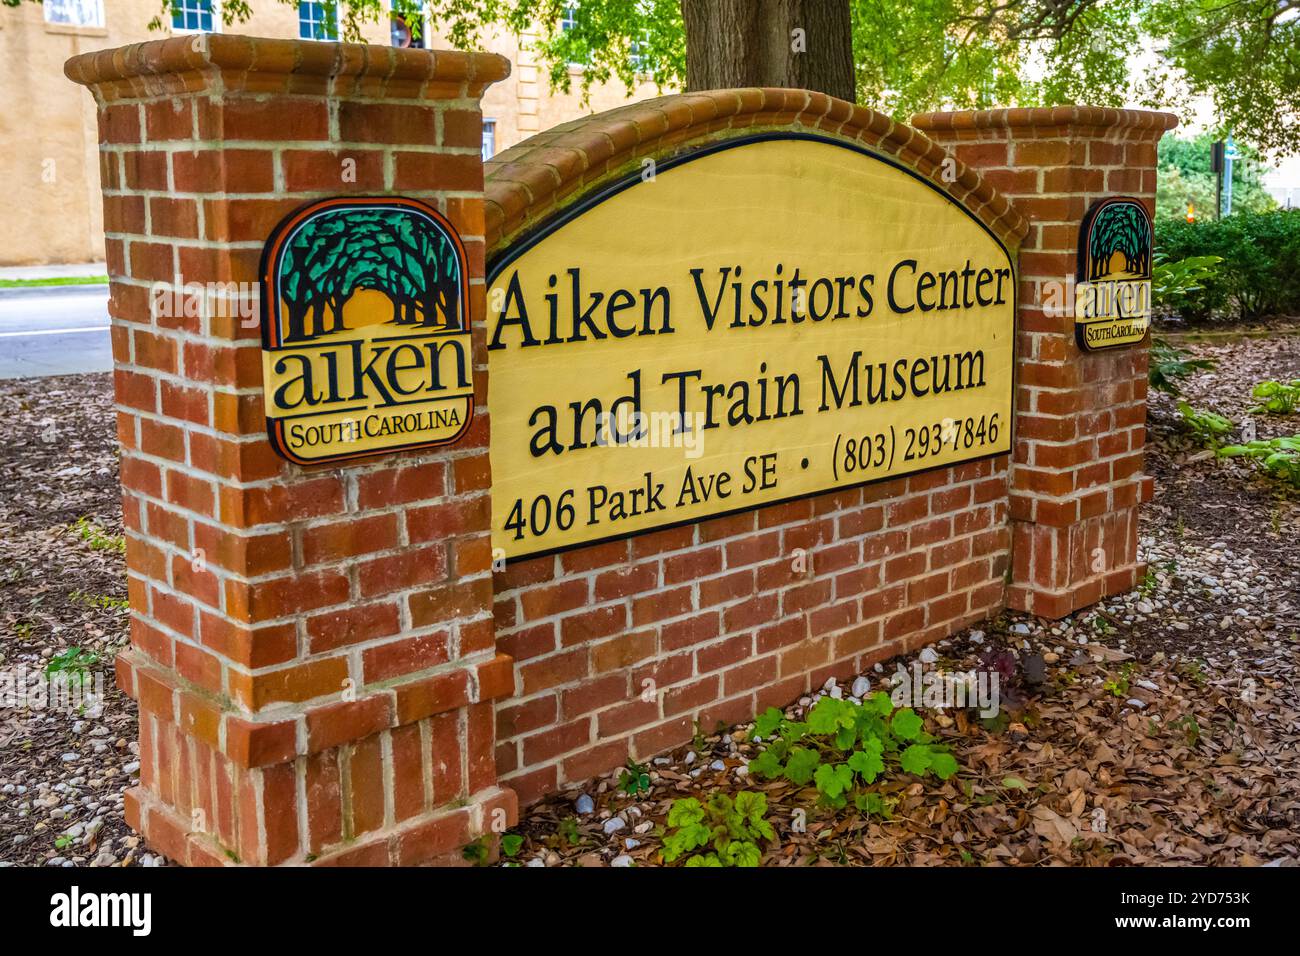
732, 43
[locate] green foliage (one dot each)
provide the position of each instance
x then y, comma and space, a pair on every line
1118, 684
635, 779
1206, 427
1280, 398
1149, 583
731, 828
933, 54
52, 281
1169, 366
568, 831
1260, 272
476, 851
1241, 54
100, 601
511, 844
1191, 730
93, 535
1279, 457
1172, 283
74, 664
842, 748
1183, 168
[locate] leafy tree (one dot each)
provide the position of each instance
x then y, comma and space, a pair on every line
339, 252
1120, 228
914, 55
1185, 177
1243, 54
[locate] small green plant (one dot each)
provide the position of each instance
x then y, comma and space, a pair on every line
843, 748
732, 828
635, 779
93, 535
476, 851
100, 601
1118, 685
1102, 625
1191, 730
62, 842
1280, 398
1207, 427
568, 831
698, 739
1193, 671
74, 664
511, 844
1169, 366
1149, 583
1279, 457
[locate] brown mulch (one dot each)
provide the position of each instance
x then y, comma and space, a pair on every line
62, 586
1169, 716
1165, 731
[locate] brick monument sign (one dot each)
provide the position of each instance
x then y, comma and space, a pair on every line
448, 484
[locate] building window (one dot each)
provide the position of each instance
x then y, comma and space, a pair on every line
489, 138
318, 21
569, 18
75, 13
402, 35
637, 55
192, 16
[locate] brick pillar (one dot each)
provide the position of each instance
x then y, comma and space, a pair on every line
312, 649
1077, 475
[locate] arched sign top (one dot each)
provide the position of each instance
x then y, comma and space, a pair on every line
540, 177
525, 240
762, 319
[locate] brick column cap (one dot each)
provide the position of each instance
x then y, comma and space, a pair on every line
1095, 116
180, 64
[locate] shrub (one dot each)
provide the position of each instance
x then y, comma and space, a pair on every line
1260, 272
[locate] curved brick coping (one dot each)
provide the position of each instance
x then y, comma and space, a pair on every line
243, 62
1054, 116
533, 181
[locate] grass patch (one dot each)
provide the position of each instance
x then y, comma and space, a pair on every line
52, 281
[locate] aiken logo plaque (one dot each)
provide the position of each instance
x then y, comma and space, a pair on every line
365, 330
1112, 297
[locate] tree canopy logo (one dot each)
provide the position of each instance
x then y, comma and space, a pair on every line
1112, 297
365, 330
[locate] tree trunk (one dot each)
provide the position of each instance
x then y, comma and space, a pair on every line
804, 44
297, 323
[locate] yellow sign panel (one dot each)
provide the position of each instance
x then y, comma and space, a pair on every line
365, 343
1112, 297
760, 321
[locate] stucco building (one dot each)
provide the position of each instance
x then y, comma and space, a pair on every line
50, 209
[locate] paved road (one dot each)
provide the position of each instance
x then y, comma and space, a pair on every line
54, 331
